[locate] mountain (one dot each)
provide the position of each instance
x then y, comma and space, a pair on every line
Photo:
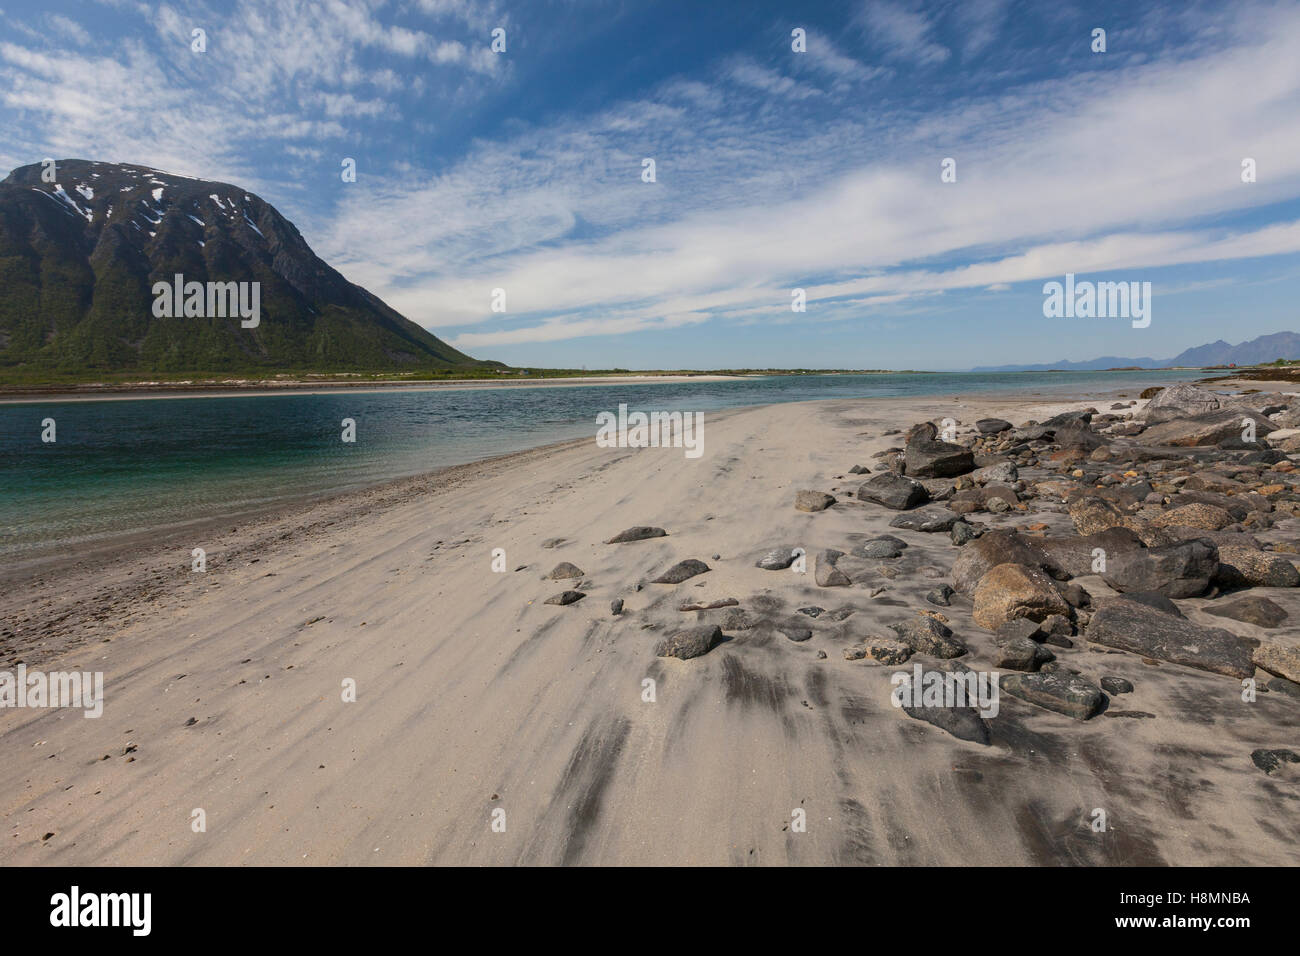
1266, 348
79, 257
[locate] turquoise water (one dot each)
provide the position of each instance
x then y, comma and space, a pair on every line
122, 466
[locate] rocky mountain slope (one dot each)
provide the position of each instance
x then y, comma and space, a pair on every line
79, 257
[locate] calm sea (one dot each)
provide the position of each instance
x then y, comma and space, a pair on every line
125, 466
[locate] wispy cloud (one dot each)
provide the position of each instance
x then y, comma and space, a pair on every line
901, 32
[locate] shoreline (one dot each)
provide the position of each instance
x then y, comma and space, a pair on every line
14, 395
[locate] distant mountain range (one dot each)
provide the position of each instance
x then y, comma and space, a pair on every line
80, 254
1266, 348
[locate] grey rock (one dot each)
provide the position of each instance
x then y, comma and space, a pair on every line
992, 426
778, 559
925, 519
682, 571
963, 533
1004, 471
1059, 691
690, 642
1252, 609
826, 574
1223, 427
925, 635
565, 570
924, 458
813, 501
1116, 686
876, 549
963, 722
639, 533
1016, 628
1177, 571
566, 598
893, 491
1143, 630
1270, 760
1076, 554
1180, 401
991, 549
887, 651
1156, 600
1023, 654
941, 596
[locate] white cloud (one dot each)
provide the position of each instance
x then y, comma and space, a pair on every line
1113, 170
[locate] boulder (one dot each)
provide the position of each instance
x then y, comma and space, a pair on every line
1062, 692
1178, 570
1155, 600
1270, 760
893, 491
1246, 567
940, 596
1010, 591
1022, 654
992, 426
1093, 514
681, 571
925, 635
564, 570
813, 501
566, 597
1070, 419
887, 651
1222, 427
1116, 686
826, 574
1179, 401
778, 559
1144, 630
1252, 609
1078, 436
991, 549
690, 642
1002, 471
639, 533
1076, 554
1282, 660
925, 519
878, 548
1194, 515
937, 459
960, 718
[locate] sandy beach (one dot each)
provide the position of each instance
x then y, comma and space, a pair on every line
224, 690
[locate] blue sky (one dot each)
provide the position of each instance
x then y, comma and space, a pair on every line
775, 169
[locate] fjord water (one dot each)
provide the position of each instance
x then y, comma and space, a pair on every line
134, 465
